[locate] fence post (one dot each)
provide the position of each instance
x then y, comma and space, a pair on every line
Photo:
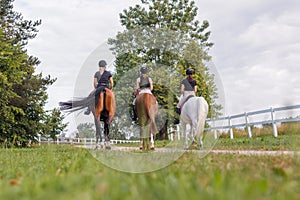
178, 132
274, 123
39, 138
215, 130
247, 124
171, 133
230, 129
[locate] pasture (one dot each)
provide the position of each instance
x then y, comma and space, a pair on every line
68, 172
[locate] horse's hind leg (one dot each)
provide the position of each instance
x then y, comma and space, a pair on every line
153, 130
98, 133
106, 133
152, 142
200, 140
145, 140
186, 146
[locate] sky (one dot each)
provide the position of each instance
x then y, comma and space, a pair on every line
256, 48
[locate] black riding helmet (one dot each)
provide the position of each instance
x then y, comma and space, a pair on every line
102, 63
189, 71
144, 69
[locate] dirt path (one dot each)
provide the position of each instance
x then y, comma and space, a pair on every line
240, 152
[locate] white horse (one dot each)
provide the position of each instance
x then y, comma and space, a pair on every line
194, 113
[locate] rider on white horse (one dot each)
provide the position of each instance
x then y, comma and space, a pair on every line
188, 88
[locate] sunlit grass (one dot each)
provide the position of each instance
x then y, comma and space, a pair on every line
68, 172
65, 172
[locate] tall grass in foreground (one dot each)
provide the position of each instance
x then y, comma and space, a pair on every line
65, 172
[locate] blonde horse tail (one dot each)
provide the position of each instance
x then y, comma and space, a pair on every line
202, 109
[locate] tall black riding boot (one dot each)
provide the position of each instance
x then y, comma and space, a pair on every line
134, 116
176, 119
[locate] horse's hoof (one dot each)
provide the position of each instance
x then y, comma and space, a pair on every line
152, 148
108, 147
141, 147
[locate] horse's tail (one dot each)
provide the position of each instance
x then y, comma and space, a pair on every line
110, 104
153, 113
77, 104
202, 109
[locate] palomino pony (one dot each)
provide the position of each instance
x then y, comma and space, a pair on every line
194, 113
146, 110
103, 106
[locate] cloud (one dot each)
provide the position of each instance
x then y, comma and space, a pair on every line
256, 50
269, 32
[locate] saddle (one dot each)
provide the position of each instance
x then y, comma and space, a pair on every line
188, 98
178, 110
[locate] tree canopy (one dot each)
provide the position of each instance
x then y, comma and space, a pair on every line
23, 92
165, 35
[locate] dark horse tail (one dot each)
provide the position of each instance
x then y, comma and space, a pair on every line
77, 104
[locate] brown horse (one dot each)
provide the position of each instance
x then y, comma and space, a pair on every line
103, 106
146, 109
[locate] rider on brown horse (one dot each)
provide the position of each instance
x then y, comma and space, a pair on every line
144, 84
102, 79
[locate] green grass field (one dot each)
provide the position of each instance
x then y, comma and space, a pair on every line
66, 172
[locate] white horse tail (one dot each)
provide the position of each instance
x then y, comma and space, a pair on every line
202, 109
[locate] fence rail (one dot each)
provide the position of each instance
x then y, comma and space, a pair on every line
247, 123
174, 132
80, 141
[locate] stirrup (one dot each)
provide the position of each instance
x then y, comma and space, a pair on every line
87, 112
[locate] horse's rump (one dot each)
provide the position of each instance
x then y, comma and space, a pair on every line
194, 108
146, 109
194, 112
105, 105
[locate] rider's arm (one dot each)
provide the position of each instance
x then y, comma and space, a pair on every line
95, 83
182, 89
137, 85
111, 82
151, 84
195, 89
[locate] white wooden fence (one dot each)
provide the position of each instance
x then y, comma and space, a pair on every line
80, 141
247, 123
175, 133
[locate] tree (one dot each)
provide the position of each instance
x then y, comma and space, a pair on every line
165, 35
22, 91
52, 124
86, 130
